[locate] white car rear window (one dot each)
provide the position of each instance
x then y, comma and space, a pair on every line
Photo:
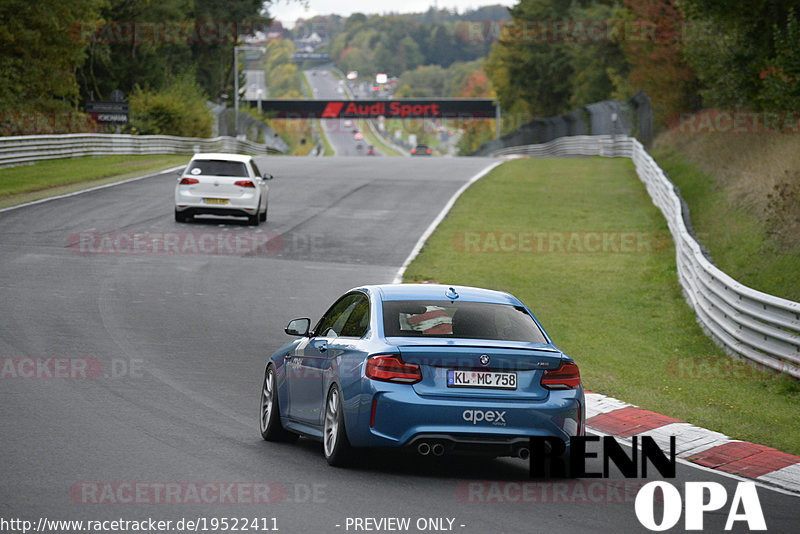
214, 167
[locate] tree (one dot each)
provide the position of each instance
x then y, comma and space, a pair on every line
40, 50
147, 43
475, 132
179, 109
212, 59
135, 43
781, 78
283, 79
531, 71
596, 56
736, 49
656, 58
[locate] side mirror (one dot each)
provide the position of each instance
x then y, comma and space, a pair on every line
298, 327
267, 176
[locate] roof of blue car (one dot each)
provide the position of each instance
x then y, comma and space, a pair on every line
440, 292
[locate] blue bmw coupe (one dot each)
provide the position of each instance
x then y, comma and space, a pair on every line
431, 368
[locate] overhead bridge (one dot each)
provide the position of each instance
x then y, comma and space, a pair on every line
441, 108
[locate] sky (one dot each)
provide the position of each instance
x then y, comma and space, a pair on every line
287, 11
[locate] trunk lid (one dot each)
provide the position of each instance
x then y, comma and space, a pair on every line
219, 186
436, 358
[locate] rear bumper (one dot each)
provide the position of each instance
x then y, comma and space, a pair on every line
192, 203
210, 210
403, 418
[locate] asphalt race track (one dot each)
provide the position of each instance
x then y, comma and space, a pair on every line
148, 407
341, 137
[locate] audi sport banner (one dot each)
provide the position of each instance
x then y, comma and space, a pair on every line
454, 108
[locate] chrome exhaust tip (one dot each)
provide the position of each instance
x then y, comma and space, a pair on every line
437, 449
423, 449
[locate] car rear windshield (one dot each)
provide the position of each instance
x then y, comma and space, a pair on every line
473, 320
216, 167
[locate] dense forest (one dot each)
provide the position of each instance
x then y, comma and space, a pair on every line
538, 58
175, 53
686, 54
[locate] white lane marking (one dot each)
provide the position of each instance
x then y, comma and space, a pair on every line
96, 188
787, 476
597, 403
442, 214
689, 439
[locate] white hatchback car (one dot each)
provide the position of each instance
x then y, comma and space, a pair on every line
222, 184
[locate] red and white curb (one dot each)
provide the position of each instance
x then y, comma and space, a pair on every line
697, 445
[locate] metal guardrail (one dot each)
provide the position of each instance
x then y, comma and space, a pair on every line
747, 323
28, 148
318, 150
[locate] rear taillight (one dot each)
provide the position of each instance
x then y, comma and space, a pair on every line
390, 368
413, 150
244, 183
565, 377
189, 181
428, 151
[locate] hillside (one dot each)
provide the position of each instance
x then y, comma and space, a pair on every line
743, 190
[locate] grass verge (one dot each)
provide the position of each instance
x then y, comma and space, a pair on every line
734, 233
25, 183
376, 140
532, 227
329, 151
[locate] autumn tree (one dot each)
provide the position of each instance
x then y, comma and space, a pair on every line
654, 53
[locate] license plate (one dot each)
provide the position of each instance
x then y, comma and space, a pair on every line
219, 201
481, 379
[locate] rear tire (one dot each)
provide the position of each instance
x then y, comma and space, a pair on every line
180, 216
338, 450
263, 216
270, 420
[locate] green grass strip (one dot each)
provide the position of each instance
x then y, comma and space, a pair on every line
329, 151
580, 242
42, 179
376, 140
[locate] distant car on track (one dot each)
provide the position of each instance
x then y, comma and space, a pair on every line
428, 368
370, 150
222, 184
421, 150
